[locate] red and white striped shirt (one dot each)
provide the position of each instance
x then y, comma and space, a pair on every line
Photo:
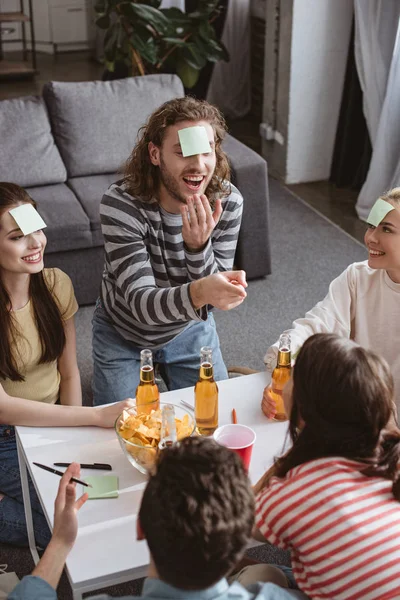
341, 527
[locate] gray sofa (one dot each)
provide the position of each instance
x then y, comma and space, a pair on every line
66, 148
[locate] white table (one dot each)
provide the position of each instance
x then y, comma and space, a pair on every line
106, 551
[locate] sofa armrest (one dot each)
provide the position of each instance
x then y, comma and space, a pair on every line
250, 176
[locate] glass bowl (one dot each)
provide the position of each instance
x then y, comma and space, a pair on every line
143, 457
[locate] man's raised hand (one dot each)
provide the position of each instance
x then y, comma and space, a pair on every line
199, 221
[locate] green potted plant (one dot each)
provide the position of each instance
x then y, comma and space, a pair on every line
141, 38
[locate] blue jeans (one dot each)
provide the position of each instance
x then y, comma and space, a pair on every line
12, 514
116, 361
288, 573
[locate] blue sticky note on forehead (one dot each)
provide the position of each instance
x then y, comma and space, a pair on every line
194, 140
379, 211
27, 218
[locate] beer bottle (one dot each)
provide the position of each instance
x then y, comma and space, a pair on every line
206, 395
280, 376
147, 394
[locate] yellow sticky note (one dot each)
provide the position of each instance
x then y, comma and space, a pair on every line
194, 140
27, 218
103, 486
379, 211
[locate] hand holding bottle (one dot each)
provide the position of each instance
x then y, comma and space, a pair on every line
268, 404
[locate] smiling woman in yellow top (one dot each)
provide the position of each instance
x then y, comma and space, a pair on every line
38, 357
38, 363
46, 381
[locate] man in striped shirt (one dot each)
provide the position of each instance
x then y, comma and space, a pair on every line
170, 229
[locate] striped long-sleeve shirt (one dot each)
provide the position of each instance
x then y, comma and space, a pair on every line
342, 529
148, 269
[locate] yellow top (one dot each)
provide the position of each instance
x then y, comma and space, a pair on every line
42, 381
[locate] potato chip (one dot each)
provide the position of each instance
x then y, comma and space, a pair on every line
144, 431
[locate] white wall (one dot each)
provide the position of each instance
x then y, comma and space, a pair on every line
320, 42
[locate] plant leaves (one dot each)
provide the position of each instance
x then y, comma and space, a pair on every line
154, 3
225, 56
211, 52
146, 48
101, 6
110, 42
147, 14
103, 22
187, 73
109, 65
193, 57
175, 15
206, 31
175, 41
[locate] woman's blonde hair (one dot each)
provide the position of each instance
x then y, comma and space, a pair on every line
392, 196
142, 178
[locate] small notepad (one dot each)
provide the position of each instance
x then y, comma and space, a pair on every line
104, 486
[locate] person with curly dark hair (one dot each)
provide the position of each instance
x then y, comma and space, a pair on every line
197, 514
170, 230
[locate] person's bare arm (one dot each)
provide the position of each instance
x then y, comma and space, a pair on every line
66, 507
70, 383
19, 411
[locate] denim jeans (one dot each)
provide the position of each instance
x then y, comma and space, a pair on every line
12, 514
116, 368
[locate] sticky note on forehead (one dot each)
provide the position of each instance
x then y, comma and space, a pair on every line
194, 140
379, 211
27, 218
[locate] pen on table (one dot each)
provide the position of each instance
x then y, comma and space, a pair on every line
234, 417
50, 470
96, 466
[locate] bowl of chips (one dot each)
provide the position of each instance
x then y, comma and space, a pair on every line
139, 432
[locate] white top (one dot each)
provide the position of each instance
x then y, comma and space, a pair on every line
106, 546
362, 304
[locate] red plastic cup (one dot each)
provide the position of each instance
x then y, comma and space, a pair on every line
239, 438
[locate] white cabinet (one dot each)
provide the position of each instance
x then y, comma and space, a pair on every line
70, 22
63, 25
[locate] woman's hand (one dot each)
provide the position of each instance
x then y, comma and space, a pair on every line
108, 414
268, 404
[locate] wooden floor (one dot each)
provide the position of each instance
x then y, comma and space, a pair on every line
336, 204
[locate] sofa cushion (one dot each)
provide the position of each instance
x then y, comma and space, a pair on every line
28, 154
95, 123
89, 191
68, 227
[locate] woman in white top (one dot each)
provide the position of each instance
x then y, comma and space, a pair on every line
362, 304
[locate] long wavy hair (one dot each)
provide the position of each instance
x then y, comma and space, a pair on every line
45, 308
142, 178
344, 395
